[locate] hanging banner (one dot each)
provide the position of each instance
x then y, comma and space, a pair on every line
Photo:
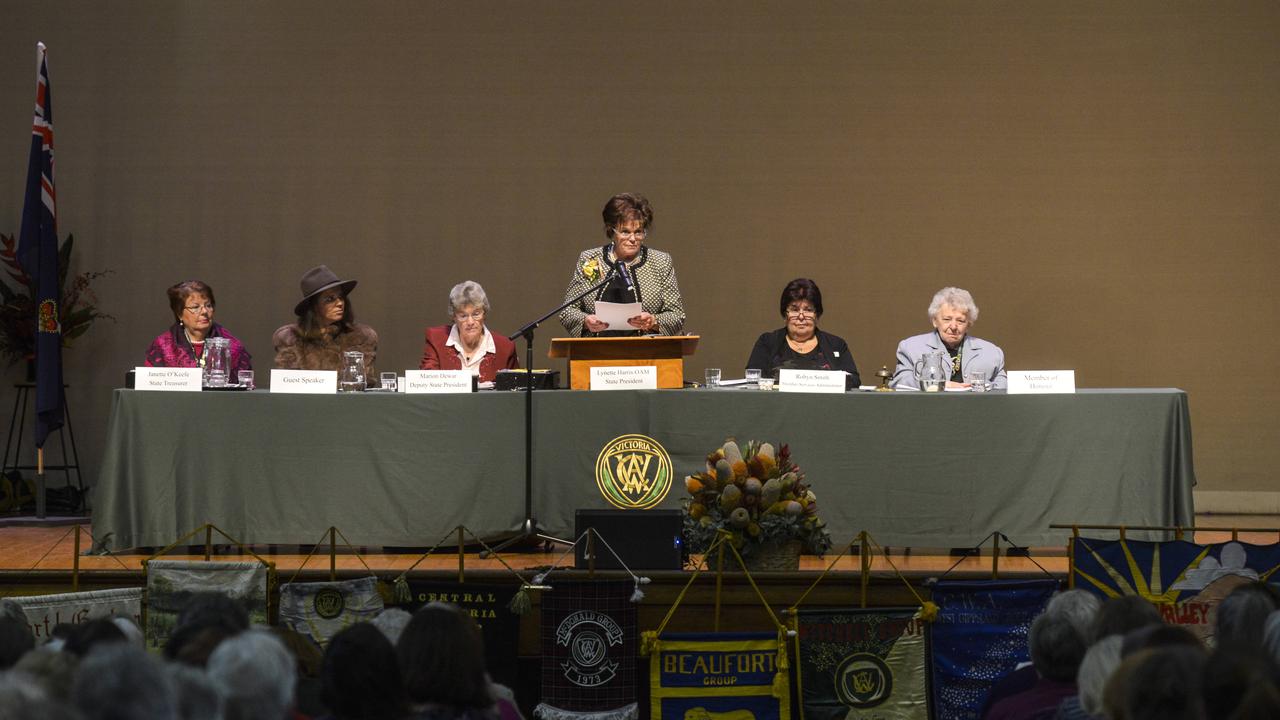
319, 610
487, 605
588, 650
44, 612
171, 582
980, 635
1185, 580
724, 676
862, 664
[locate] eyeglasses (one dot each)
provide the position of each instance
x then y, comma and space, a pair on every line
477, 315
630, 234
331, 299
197, 308
801, 312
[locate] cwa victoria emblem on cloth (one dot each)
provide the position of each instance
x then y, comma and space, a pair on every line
633, 472
588, 635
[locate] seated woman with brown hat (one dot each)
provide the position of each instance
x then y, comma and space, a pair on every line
326, 327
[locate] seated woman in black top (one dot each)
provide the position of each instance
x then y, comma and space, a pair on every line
800, 344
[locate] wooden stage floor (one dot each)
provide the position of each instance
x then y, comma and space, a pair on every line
44, 550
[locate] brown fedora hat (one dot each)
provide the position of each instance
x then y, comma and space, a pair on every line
317, 280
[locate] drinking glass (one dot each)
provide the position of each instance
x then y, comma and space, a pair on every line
713, 377
388, 381
765, 382
977, 381
245, 378
753, 376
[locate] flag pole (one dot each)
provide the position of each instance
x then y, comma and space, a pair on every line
40, 499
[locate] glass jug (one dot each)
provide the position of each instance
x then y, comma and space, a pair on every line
933, 370
351, 374
217, 361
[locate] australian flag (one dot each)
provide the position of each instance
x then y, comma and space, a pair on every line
38, 251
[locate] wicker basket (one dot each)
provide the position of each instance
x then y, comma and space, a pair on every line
770, 557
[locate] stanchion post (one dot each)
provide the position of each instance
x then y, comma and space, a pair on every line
864, 562
995, 556
719, 582
591, 552
208, 541
40, 498
1071, 558
462, 558
75, 564
333, 554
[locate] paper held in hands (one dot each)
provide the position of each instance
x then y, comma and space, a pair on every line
617, 314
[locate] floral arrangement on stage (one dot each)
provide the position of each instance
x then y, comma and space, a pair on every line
76, 312
757, 495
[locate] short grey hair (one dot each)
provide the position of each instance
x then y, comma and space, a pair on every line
255, 674
467, 292
1078, 606
118, 679
392, 622
1099, 663
958, 298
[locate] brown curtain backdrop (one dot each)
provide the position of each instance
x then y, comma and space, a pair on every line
1102, 176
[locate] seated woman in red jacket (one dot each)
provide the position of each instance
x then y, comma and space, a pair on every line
467, 344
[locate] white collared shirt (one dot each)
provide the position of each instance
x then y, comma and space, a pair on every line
471, 363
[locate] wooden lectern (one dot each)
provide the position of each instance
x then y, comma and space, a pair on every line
666, 352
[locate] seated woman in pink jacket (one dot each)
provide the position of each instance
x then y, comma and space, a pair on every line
467, 344
182, 345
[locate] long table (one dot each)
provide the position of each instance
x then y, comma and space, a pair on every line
910, 468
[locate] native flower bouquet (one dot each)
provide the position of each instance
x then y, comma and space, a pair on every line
758, 495
76, 312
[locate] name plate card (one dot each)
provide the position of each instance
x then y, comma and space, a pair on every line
1031, 382
624, 377
168, 379
437, 381
811, 381
304, 382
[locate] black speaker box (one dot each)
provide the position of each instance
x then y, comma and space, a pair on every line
643, 539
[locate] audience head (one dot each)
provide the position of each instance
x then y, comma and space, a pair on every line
21, 698
16, 640
1242, 615
360, 677
197, 698
392, 622
1157, 636
213, 608
53, 669
1100, 661
442, 658
1057, 645
1157, 683
255, 675
90, 634
1271, 637
119, 681
1079, 607
1236, 679
193, 644
1120, 615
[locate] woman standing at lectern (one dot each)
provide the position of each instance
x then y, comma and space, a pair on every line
636, 273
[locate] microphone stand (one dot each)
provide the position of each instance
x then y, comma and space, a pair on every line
529, 528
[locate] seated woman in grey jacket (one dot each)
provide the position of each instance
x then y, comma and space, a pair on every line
952, 312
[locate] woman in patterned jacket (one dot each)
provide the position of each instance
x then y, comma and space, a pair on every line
636, 273
182, 345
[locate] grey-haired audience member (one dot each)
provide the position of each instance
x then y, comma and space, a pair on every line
255, 675
1078, 607
392, 622
119, 681
21, 698
132, 633
91, 634
54, 670
1100, 661
11, 608
198, 699
1242, 615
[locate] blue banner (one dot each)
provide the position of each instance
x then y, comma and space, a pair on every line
980, 635
718, 675
1184, 580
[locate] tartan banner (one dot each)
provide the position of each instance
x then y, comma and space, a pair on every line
862, 664
487, 605
319, 610
46, 611
1185, 580
171, 582
714, 676
588, 651
980, 635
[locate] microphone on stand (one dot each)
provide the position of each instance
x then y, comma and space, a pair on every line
625, 272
